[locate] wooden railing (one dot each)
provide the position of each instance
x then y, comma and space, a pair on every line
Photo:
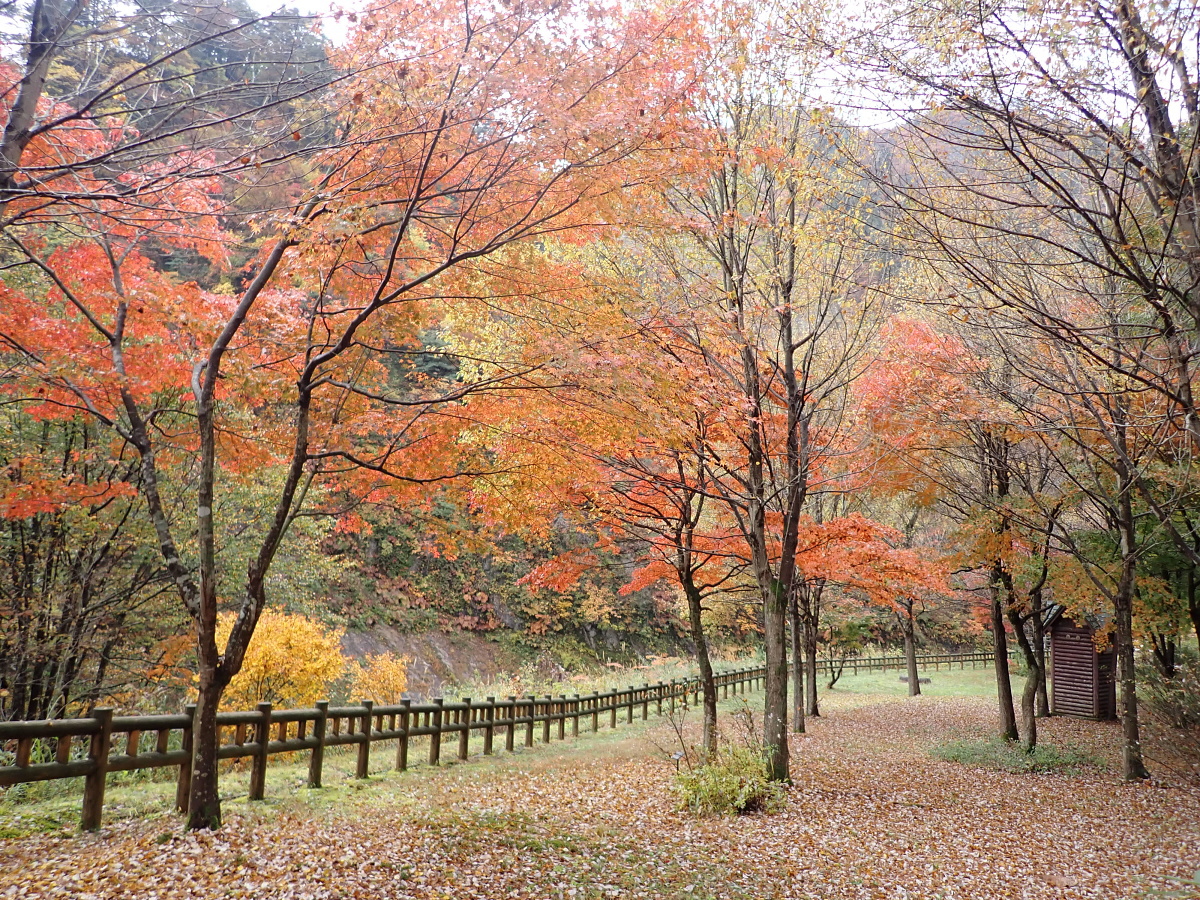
925, 661
93, 747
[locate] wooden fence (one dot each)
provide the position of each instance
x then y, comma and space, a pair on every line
925, 661
102, 743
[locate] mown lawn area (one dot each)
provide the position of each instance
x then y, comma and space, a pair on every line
874, 813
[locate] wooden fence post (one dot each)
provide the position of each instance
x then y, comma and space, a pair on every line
646, 701
595, 711
258, 764
435, 739
402, 744
362, 768
529, 725
512, 723
562, 717
464, 736
659, 692
93, 786
183, 786
672, 698
546, 707
488, 728
317, 760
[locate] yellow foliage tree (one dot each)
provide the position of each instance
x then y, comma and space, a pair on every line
381, 678
291, 661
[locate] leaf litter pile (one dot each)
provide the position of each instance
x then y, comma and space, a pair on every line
872, 815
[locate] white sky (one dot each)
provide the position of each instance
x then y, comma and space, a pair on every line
334, 30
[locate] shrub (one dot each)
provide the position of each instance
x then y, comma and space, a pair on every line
291, 661
1173, 704
1173, 701
381, 678
733, 782
1007, 756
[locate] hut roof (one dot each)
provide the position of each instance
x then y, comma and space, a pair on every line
1094, 621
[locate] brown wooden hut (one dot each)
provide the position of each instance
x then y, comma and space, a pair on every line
1083, 680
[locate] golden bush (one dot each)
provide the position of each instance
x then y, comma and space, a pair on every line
380, 678
292, 660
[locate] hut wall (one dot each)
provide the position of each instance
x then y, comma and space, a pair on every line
1106, 684
1075, 670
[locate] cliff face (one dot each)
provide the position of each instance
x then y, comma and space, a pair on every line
439, 661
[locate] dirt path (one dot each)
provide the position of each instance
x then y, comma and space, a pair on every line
872, 815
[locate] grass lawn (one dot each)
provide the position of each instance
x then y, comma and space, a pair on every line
873, 687
873, 814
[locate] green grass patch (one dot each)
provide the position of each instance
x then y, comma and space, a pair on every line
1007, 756
866, 686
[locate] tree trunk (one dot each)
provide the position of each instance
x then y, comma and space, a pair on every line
1193, 602
1039, 651
910, 648
1008, 718
775, 711
835, 674
1029, 712
1164, 653
810, 662
707, 684
204, 800
1133, 768
1030, 692
1132, 765
797, 668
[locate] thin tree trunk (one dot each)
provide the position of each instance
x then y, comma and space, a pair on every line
1030, 691
1133, 767
1008, 718
910, 648
1029, 712
707, 683
1193, 602
797, 668
1164, 653
810, 662
773, 590
1039, 651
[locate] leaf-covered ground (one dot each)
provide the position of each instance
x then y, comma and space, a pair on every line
872, 815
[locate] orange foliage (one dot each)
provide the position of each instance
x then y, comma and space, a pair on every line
862, 555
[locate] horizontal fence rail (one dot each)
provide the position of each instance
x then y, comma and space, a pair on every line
935, 661
102, 743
